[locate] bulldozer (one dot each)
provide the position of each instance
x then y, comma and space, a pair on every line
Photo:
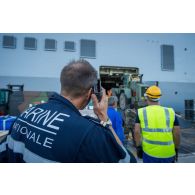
126, 83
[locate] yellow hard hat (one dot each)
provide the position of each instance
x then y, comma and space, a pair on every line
153, 92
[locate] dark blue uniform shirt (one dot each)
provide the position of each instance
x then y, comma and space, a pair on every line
56, 132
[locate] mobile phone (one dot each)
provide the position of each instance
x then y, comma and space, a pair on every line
97, 90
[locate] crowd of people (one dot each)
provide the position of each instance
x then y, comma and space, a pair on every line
57, 132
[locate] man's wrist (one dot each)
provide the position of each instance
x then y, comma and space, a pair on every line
103, 117
106, 123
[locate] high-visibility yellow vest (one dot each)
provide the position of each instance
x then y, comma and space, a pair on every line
156, 126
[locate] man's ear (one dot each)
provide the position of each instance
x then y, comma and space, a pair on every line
89, 93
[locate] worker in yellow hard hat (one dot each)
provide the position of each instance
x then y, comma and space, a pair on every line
153, 93
157, 131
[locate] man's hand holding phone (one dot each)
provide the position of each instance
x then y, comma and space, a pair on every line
100, 107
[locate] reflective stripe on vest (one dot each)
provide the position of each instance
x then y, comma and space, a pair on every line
158, 142
157, 138
157, 129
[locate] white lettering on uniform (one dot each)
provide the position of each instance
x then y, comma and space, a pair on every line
47, 141
28, 134
16, 126
57, 119
40, 115
36, 138
37, 141
46, 117
32, 137
26, 112
34, 113
25, 130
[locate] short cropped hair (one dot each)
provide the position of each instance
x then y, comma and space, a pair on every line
77, 77
153, 100
112, 100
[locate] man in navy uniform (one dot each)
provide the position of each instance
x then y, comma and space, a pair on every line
56, 131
